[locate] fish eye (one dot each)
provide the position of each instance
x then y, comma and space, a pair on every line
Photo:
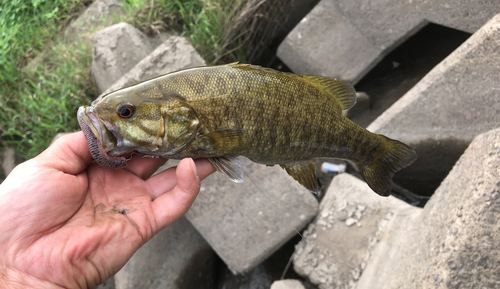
125, 110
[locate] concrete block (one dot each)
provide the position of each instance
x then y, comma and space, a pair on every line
245, 223
339, 243
325, 43
287, 284
93, 17
175, 53
177, 257
454, 242
346, 38
117, 49
453, 103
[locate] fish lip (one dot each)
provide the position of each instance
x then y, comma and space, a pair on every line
94, 133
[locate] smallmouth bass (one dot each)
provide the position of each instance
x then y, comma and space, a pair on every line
222, 112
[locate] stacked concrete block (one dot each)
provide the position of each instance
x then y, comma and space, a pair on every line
453, 103
178, 258
93, 17
338, 245
173, 54
323, 44
117, 49
245, 223
347, 38
453, 243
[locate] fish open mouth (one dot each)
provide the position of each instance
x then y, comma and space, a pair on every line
92, 132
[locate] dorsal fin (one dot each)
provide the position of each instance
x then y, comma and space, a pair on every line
339, 90
343, 92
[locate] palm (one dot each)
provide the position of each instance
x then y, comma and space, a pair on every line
83, 225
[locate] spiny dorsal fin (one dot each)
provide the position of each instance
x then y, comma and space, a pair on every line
339, 90
229, 166
304, 173
343, 92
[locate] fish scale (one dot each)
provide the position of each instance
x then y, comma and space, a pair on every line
222, 112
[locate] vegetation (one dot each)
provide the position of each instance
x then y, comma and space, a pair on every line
44, 78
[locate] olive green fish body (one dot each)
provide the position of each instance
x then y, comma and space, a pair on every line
222, 112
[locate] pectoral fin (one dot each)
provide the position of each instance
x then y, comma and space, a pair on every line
229, 166
304, 173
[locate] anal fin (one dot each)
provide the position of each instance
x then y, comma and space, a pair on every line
304, 173
229, 166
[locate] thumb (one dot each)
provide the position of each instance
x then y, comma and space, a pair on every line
69, 154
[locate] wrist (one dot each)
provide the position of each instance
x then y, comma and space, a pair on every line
13, 279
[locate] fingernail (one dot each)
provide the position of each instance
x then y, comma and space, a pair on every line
193, 167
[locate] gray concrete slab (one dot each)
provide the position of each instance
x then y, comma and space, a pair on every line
245, 223
453, 243
442, 113
346, 38
176, 258
175, 53
322, 44
117, 49
92, 18
338, 245
459, 98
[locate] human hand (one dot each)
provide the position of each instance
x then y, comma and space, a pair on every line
67, 222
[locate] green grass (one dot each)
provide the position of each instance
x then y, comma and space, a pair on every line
207, 23
38, 103
43, 79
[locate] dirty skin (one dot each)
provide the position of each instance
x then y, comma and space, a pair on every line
118, 208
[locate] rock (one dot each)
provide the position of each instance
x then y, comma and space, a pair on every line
176, 258
453, 103
117, 49
325, 43
8, 160
339, 243
175, 53
247, 222
454, 242
93, 17
287, 284
345, 38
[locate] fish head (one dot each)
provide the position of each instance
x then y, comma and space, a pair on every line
135, 119
122, 122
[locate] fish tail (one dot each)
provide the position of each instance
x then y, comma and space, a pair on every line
391, 157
